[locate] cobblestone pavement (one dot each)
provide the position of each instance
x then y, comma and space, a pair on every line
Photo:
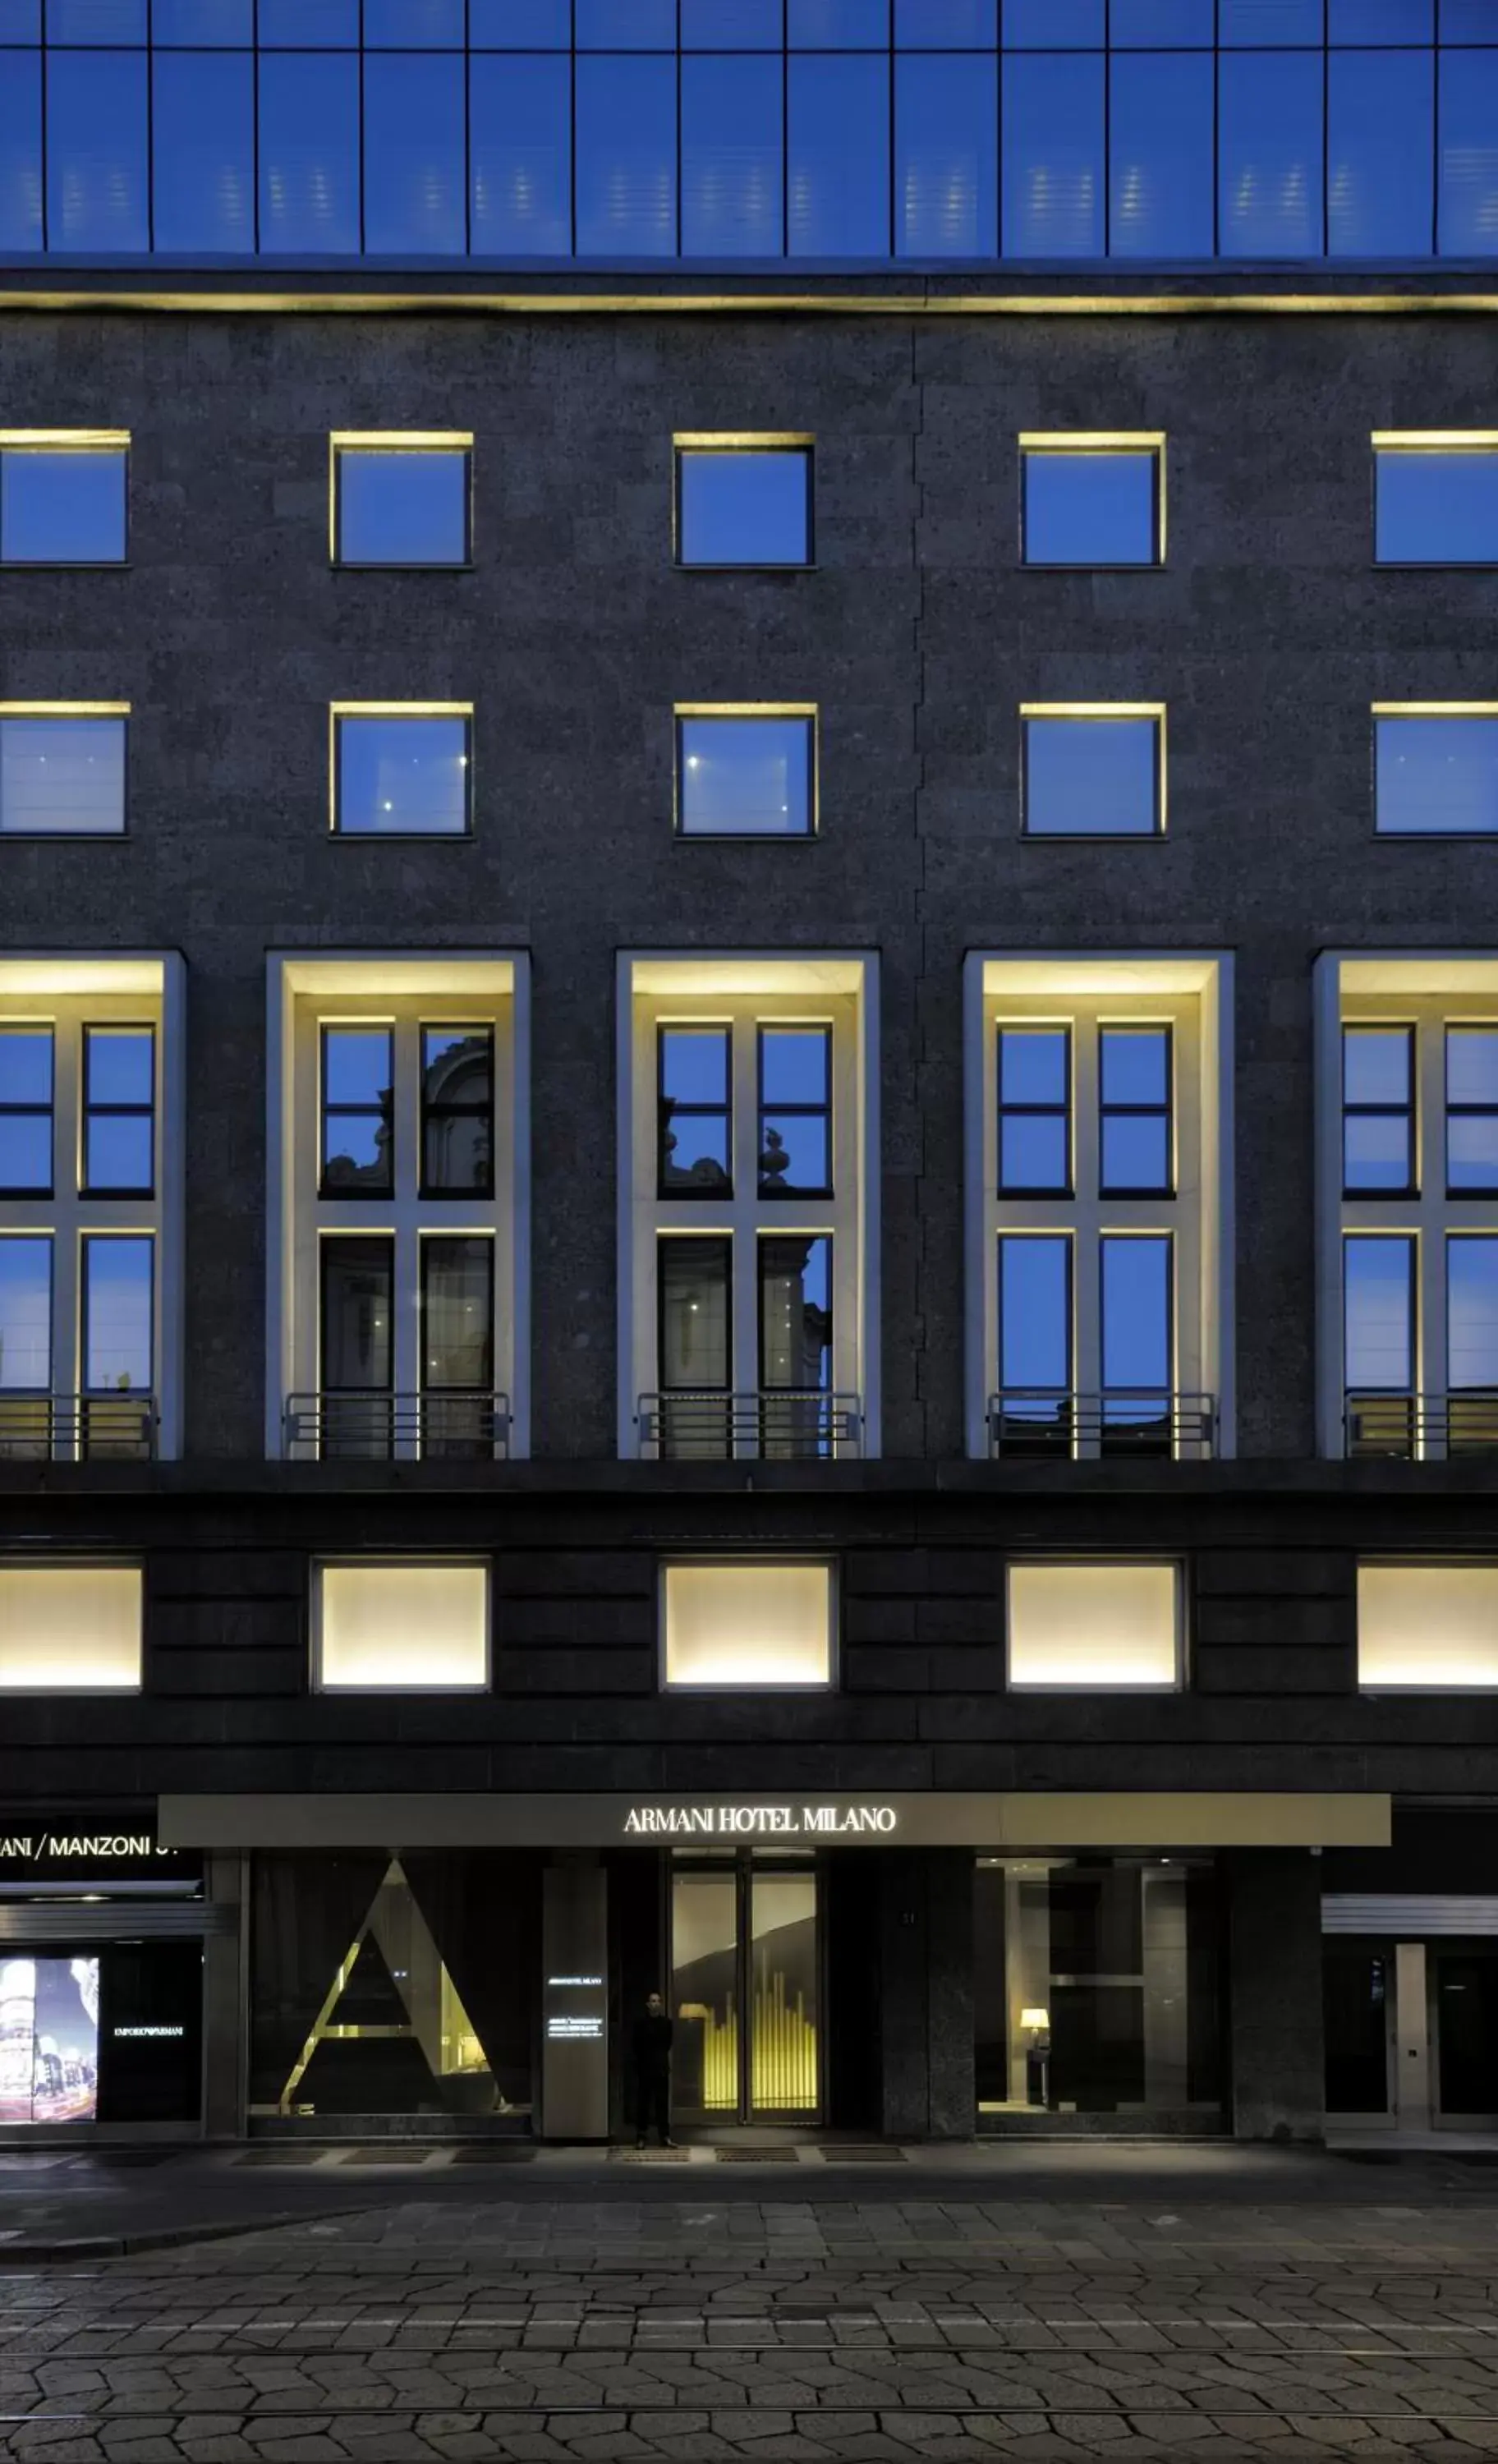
863, 2325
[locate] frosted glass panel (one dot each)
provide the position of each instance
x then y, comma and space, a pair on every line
1434, 1626
421, 1629
748, 1626
1095, 1625
65, 1627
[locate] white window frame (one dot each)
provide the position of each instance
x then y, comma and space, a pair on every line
1191, 992
377, 988
746, 990
67, 995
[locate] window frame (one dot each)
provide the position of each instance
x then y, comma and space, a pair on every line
761, 1559
741, 443
1095, 713
397, 442
427, 1111
1386, 714
340, 713
695, 714
1463, 1111
30, 1562
11, 1111
787, 1195
1115, 1111
327, 1112
79, 441
1085, 1688
335, 1562
1084, 444
1064, 1110
1409, 1110
121, 711
723, 1111
1434, 443
88, 1109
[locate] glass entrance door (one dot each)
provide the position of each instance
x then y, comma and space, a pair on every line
1358, 1984
1463, 2006
746, 1992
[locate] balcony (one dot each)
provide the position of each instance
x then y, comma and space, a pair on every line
773, 1424
1419, 1428
1048, 1425
79, 1428
380, 1427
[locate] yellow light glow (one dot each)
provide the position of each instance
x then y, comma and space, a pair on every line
748, 1626
402, 440
741, 441
402, 709
747, 710
747, 975
1095, 1625
64, 710
1035, 2018
1429, 1628
1435, 709
582, 303
66, 1629
1083, 440
391, 1628
1083, 972
1092, 710
50, 977
1434, 440
65, 440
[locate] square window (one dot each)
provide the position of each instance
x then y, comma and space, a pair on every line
62, 504
402, 505
70, 1629
61, 777
388, 1627
1097, 1627
1084, 507
747, 1626
402, 774
744, 505
743, 776
1435, 506
1096, 775
1427, 1629
1436, 774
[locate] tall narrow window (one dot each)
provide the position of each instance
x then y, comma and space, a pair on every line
1471, 1111
1034, 1109
357, 1344
795, 1340
1035, 1375
1137, 1344
25, 1344
1134, 1110
61, 501
25, 1111
695, 1112
743, 504
118, 1277
1378, 1318
457, 1288
794, 1111
1472, 1319
696, 1343
1377, 1109
358, 1107
119, 1110
746, 775
457, 1111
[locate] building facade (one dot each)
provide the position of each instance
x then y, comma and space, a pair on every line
748, 1067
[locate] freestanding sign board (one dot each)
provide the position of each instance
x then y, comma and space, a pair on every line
574, 2102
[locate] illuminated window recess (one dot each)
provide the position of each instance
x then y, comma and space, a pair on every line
1095, 1626
388, 1628
1427, 1629
70, 1629
748, 1626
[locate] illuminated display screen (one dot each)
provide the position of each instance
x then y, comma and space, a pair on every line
49, 2040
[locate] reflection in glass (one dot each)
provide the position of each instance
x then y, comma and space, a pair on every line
357, 1339
403, 777
26, 1096
1160, 155
1035, 1342
782, 1991
97, 183
1437, 507
743, 506
519, 24
414, 25
795, 1110
1378, 1313
203, 153
624, 25
745, 777
61, 777
1090, 508
946, 170
1133, 1108
1034, 1109
309, 152
358, 1111
945, 25
21, 222
1269, 153
25, 1313
1053, 25
830, 25
1437, 776
626, 155
1468, 123
704, 2002
118, 1276
195, 23
413, 145
1053, 154
694, 1112
731, 163
1472, 1108
1151, 22
308, 24
732, 24
63, 507
795, 1341
457, 1099
520, 155
401, 506
1138, 1340
1377, 1108
118, 1109
1379, 168
457, 1361
694, 1344
838, 190
1472, 1311
1092, 778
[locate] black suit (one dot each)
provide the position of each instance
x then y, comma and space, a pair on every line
651, 2044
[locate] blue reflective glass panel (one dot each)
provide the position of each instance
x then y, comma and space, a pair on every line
1377, 1276
1437, 776
625, 25
1380, 184
1052, 156
1090, 508
520, 156
96, 21
20, 22
732, 157
1435, 508
403, 777
25, 1313
1160, 151
1270, 144
1053, 25
946, 155
839, 157
627, 156
732, 24
203, 144
1137, 1312
309, 155
415, 172
1134, 23
21, 154
95, 152
62, 508
837, 25
1472, 1311
1035, 1311
402, 507
117, 1278
308, 25
518, 25
1092, 778
744, 777
202, 23
414, 25
1265, 23
741, 507
945, 25
1467, 21
63, 778
1381, 21
1469, 223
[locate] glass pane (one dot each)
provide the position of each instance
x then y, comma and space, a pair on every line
1438, 775
839, 188
402, 508
500, 24
62, 508
26, 1134
626, 157
358, 1097
26, 1153
421, 25
1472, 1151
1438, 508
26, 1065
1134, 1065
946, 25
1381, 176
1466, 21
695, 1144
116, 1154
356, 1067
1378, 1328
1089, 777
624, 25
704, 1960
796, 1311
732, 24
96, 21
1090, 507
415, 174
1472, 1311
1033, 1152
1377, 1062
733, 159
121, 1064
309, 154
457, 1313
203, 147
60, 776
782, 2025
21, 154
1135, 1154
695, 1065
1052, 154
794, 1063
20, 21
25, 1315
457, 1092
1472, 1064
694, 1312
116, 1316
1035, 1311
205, 22
1137, 1312
402, 776
749, 777
308, 24
1269, 21
1376, 1151
1150, 22
830, 25
95, 152
1381, 21
520, 156
795, 1156
745, 508
1468, 107
946, 135
1271, 154
696, 1157
1035, 1064
356, 1278
1053, 25
1161, 158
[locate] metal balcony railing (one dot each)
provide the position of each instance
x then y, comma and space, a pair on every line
1048, 1423
77, 1428
375, 1427
1421, 1428
773, 1424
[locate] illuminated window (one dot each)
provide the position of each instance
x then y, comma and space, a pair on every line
402, 500
1092, 500
744, 500
1096, 1627
70, 1629
402, 771
62, 499
746, 773
388, 1627
1436, 770
1093, 771
1425, 1628
62, 771
1436, 498
747, 1626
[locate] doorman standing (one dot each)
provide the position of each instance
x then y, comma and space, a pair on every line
650, 2045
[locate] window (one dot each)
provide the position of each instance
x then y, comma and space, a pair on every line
70, 1629
1034, 1109
1093, 772
747, 1625
385, 1626
1135, 1078
1098, 1627
1471, 1111
62, 770
1092, 500
402, 500
402, 772
457, 1111
62, 499
1436, 770
794, 1111
744, 500
1377, 1108
25, 1111
1424, 1628
696, 1111
742, 774
1436, 499
119, 1110
357, 1099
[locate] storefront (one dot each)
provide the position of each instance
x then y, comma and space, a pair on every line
1411, 2013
